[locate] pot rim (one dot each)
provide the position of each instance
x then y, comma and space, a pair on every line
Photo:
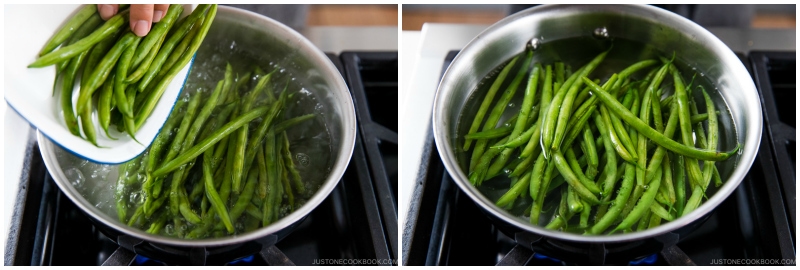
346, 146
749, 150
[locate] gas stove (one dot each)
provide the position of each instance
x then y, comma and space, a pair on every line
754, 226
356, 224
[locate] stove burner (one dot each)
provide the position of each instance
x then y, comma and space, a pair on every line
649, 260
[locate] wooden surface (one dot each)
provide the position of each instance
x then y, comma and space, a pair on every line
352, 15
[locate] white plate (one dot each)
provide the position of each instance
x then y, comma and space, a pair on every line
29, 90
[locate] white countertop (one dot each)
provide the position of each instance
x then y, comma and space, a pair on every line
422, 56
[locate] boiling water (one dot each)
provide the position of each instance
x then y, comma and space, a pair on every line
311, 141
575, 52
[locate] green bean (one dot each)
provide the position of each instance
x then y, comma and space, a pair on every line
534, 140
488, 101
713, 129
158, 31
149, 209
659, 153
560, 72
656, 106
202, 117
520, 165
619, 202
549, 125
654, 135
520, 139
272, 189
576, 169
287, 157
611, 158
680, 185
161, 86
212, 194
573, 201
590, 151
187, 213
655, 221
572, 180
104, 105
67, 52
666, 169
508, 198
527, 103
142, 67
119, 194
583, 95
641, 207
489, 134
158, 224
287, 187
694, 201
136, 215
544, 189
97, 52
263, 178
200, 147
562, 215
66, 94
569, 99
241, 142
686, 128
499, 108
477, 176
536, 177
613, 138
622, 134
698, 118
643, 222
293, 121
584, 221
87, 125
583, 113
101, 72
166, 49
262, 128
72, 25
122, 72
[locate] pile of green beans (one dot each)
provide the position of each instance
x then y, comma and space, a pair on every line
574, 130
187, 179
125, 74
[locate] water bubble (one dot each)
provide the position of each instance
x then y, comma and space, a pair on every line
303, 159
511, 104
507, 171
169, 229
601, 32
533, 44
646, 187
238, 226
77, 177
702, 75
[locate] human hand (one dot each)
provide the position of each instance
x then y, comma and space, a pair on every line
142, 16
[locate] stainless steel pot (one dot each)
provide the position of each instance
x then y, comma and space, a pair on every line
259, 37
663, 30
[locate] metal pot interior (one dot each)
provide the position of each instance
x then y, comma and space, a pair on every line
637, 33
322, 146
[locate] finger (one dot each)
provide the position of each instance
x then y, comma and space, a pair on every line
141, 19
159, 11
107, 11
